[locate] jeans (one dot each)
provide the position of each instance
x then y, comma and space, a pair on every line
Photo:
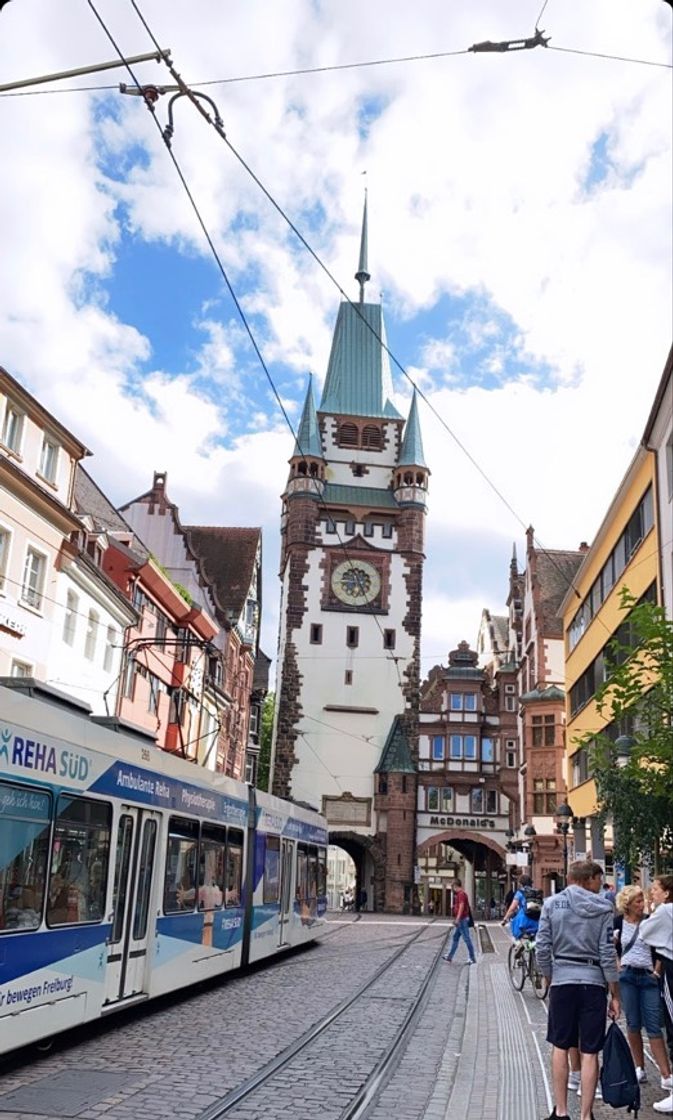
462, 930
641, 1000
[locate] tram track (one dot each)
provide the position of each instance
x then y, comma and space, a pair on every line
374, 1080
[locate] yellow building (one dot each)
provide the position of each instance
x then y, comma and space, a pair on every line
624, 554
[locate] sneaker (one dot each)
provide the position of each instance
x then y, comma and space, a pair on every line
447, 959
641, 1075
664, 1106
555, 1116
574, 1079
598, 1095
667, 1082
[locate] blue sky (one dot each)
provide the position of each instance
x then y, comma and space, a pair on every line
519, 231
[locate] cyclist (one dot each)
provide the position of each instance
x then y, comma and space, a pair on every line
523, 912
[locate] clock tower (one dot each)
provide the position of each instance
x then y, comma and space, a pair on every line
352, 526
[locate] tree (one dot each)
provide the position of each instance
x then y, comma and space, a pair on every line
635, 789
266, 731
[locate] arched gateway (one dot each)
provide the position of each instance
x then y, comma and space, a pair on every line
370, 866
477, 859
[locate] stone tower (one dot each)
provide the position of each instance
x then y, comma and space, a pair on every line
352, 556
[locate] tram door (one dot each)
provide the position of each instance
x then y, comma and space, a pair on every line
132, 923
287, 856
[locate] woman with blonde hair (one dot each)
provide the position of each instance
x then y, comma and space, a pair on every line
657, 932
639, 985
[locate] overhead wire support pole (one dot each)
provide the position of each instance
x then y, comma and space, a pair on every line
154, 56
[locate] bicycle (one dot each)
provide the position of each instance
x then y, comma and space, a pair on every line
522, 963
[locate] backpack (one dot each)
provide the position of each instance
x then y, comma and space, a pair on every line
533, 900
618, 1076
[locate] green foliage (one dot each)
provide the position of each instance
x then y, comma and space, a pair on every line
637, 698
266, 731
182, 591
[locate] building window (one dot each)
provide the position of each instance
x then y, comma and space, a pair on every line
12, 429
456, 746
447, 799
5, 539
352, 636
372, 437
369, 528
580, 766
477, 800
49, 459
544, 796
348, 676
456, 701
544, 731
470, 747
437, 748
510, 703
389, 639
432, 799
388, 530
34, 572
463, 701
91, 635
110, 643
348, 435
316, 634
21, 669
350, 528
511, 758
491, 801
70, 620
330, 525
487, 750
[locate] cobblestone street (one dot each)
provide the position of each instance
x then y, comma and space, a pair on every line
478, 1049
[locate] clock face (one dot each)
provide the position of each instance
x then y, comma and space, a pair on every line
355, 582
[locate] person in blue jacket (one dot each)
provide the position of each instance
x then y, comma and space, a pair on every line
521, 923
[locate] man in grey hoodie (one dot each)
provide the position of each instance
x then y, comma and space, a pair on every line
575, 949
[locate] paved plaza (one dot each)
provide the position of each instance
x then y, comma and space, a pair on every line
478, 1050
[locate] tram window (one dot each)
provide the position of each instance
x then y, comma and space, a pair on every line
211, 867
144, 880
121, 878
272, 869
181, 858
312, 875
322, 872
79, 861
24, 844
302, 872
234, 872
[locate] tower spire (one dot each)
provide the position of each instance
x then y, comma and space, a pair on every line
362, 276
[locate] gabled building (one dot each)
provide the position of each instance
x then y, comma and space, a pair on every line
61, 620
352, 540
219, 568
548, 575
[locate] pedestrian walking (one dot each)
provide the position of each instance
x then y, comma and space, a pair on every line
639, 986
461, 917
657, 932
576, 952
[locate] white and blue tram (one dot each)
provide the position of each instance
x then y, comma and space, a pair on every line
126, 872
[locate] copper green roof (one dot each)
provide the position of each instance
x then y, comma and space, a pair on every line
337, 495
396, 755
411, 454
551, 692
358, 381
308, 436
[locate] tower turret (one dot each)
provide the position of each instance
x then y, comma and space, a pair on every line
307, 465
411, 472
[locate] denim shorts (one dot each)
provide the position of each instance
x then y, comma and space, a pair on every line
640, 998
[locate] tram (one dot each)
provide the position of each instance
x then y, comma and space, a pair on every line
127, 873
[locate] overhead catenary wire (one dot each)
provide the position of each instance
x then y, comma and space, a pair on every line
217, 125
369, 608
307, 71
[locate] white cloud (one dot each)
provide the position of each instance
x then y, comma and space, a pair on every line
478, 171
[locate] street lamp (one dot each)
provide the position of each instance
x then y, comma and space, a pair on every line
530, 833
624, 744
564, 818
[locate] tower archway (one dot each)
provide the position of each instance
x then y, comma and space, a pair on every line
369, 860
476, 859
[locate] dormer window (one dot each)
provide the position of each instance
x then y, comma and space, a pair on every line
49, 459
